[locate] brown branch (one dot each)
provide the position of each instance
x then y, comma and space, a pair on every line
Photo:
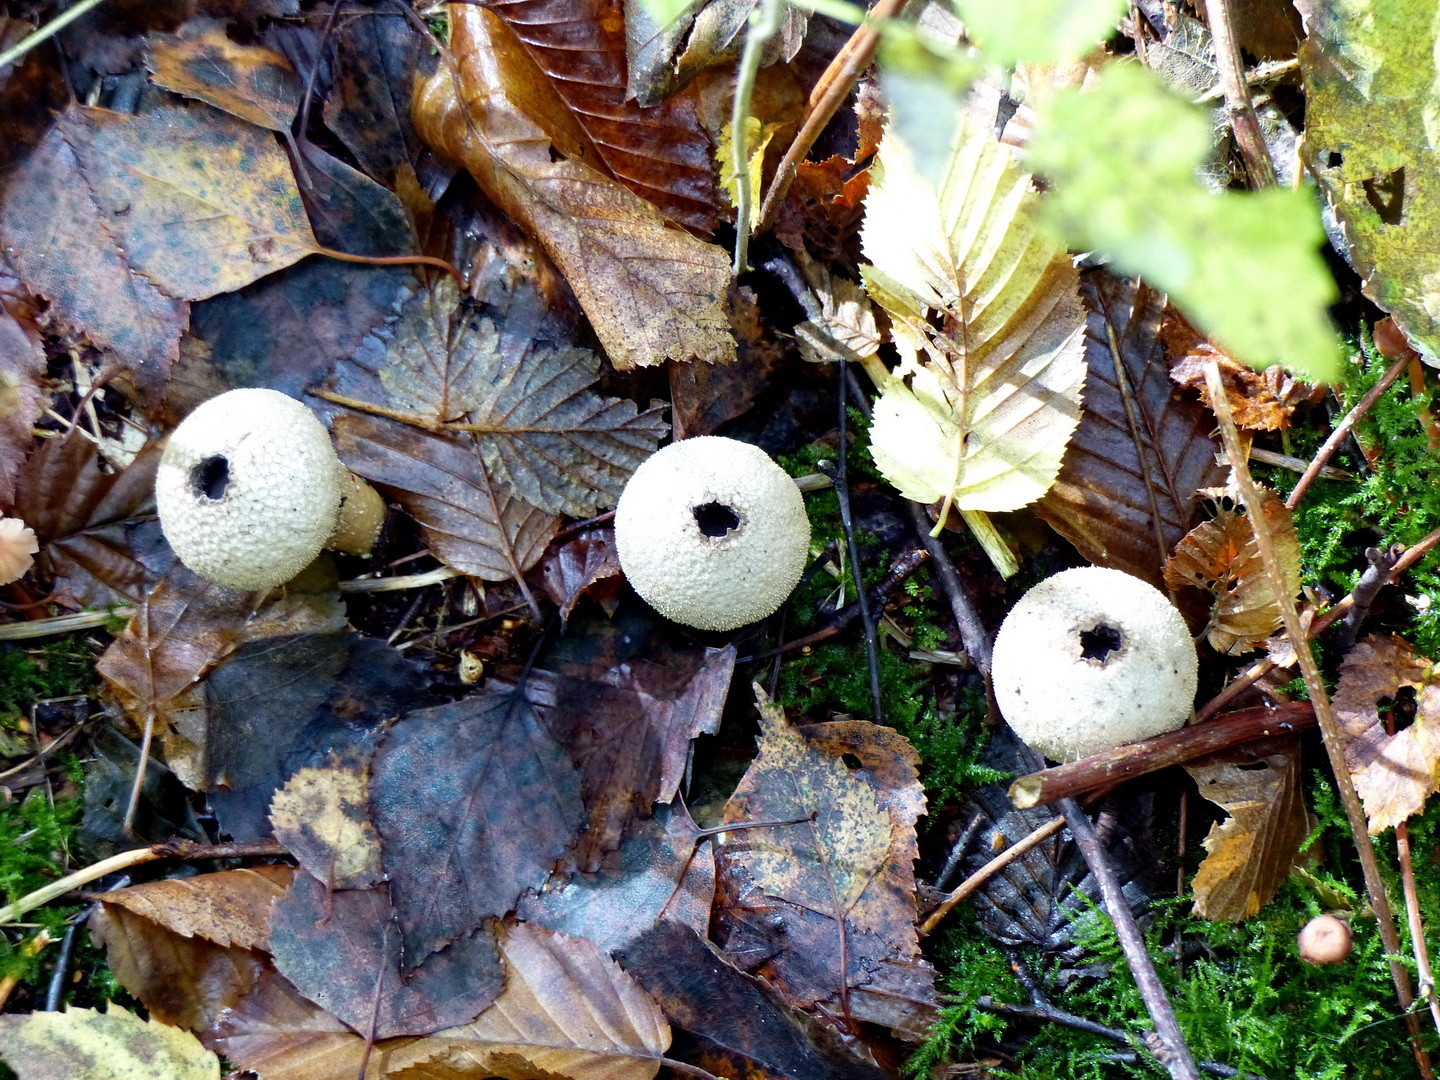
1160, 752
968, 887
1330, 731
1248, 136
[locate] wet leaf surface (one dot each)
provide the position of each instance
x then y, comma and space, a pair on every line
200, 61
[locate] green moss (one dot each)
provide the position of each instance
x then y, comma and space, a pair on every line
60, 668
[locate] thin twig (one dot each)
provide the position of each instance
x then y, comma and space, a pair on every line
27, 951
56, 990
764, 21
1330, 731
968, 887
1231, 68
1173, 1051
958, 850
63, 624
1342, 429
852, 553
1412, 918
49, 30
829, 93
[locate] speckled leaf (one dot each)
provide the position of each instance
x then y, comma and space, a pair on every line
322, 816
249, 81
84, 1044
986, 313
1221, 557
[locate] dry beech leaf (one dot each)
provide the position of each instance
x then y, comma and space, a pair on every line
1126, 491
1259, 400
839, 321
448, 788
1394, 774
249, 81
190, 948
986, 315
341, 949
322, 816
1250, 853
842, 883
22, 372
469, 519
1221, 557
651, 292
85, 1044
97, 530
662, 153
567, 1011
534, 420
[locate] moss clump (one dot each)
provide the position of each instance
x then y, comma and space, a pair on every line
58, 669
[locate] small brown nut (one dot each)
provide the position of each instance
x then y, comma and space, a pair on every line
1324, 940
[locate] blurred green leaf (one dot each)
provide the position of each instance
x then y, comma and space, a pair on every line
1038, 31
1244, 267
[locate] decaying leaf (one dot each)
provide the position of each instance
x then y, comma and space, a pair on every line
448, 787
1251, 852
567, 1011
376, 60
468, 518
86, 1044
249, 81
1221, 557
986, 315
537, 426
584, 565
341, 949
99, 537
839, 880
650, 292
1370, 98
1126, 491
22, 367
321, 815
1394, 774
839, 321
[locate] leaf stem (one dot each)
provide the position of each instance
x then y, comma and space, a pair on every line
393, 260
764, 21
1331, 734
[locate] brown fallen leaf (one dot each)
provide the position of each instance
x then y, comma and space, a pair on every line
32, 89
585, 565
651, 292
85, 1044
249, 81
100, 541
1220, 556
1126, 491
468, 518
341, 949
190, 948
840, 883
1394, 774
705, 397
22, 371
376, 61
322, 816
1251, 852
567, 1011
448, 787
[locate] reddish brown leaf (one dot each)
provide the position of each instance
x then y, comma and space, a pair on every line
584, 565
1252, 852
190, 948
1394, 774
469, 520
567, 1011
22, 371
1126, 491
651, 292
1221, 557
99, 537
661, 153
249, 81
1259, 400
341, 949
703, 397
449, 788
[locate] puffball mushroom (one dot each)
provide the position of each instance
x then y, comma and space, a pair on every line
249, 490
712, 533
1324, 940
1091, 659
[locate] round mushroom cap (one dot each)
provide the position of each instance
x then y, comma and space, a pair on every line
248, 489
1092, 659
712, 533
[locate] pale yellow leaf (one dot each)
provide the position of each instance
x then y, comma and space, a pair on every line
85, 1044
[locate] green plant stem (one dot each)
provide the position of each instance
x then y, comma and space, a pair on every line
1331, 735
49, 30
764, 21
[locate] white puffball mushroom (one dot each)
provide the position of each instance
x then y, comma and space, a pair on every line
1091, 659
712, 533
1324, 940
249, 489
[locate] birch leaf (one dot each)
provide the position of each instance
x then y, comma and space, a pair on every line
987, 316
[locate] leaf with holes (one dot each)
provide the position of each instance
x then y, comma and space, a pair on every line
1126, 491
651, 292
1221, 557
989, 324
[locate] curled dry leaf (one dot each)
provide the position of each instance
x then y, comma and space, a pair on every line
1259, 400
1126, 490
86, 1044
1251, 852
1393, 773
651, 292
567, 1011
584, 565
17, 549
1221, 557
